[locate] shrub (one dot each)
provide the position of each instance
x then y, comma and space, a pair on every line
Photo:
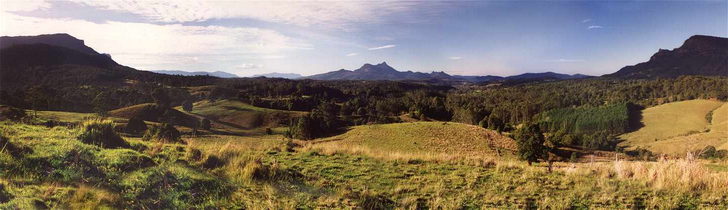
187, 106
101, 133
163, 133
269, 131
12, 113
4, 195
205, 123
136, 125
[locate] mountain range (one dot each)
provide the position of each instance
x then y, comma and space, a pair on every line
24, 59
383, 71
220, 74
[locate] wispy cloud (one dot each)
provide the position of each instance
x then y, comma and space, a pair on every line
383, 47
131, 43
594, 27
336, 14
352, 54
586, 20
455, 58
249, 66
27, 5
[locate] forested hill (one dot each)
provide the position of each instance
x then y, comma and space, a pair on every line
699, 55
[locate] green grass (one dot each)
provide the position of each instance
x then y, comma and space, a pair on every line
238, 117
679, 127
420, 138
50, 168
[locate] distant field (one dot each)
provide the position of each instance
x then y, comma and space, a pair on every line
240, 115
419, 139
676, 128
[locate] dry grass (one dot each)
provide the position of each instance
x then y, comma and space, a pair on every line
681, 175
680, 127
419, 141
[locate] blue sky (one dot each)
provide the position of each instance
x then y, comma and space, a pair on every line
458, 37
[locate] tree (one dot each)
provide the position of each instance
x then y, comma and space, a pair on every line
161, 98
162, 133
302, 129
530, 143
205, 124
187, 106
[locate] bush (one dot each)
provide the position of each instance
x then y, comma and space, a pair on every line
101, 133
269, 131
11, 113
205, 123
187, 106
163, 133
136, 125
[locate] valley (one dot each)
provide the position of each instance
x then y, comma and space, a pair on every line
503, 115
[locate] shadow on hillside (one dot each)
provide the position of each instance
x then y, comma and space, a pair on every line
238, 108
635, 117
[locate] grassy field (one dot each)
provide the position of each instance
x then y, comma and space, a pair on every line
679, 127
418, 139
415, 165
240, 117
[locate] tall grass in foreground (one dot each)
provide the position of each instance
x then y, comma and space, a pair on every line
485, 160
683, 175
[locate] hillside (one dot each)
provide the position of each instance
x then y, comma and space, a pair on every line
236, 114
699, 55
60, 40
419, 139
678, 127
149, 112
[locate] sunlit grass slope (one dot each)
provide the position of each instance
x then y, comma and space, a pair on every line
421, 139
241, 115
676, 128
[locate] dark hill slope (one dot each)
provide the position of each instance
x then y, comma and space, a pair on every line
61, 40
699, 55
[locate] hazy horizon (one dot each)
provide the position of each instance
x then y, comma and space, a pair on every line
464, 38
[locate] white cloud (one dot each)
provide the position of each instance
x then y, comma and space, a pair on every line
455, 58
352, 54
586, 20
338, 14
383, 47
23, 5
142, 45
249, 66
594, 27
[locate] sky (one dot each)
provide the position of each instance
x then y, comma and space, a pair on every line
310, 37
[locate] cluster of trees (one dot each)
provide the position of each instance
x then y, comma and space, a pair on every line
590, 127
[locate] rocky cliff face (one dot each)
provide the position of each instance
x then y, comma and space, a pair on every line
699, 55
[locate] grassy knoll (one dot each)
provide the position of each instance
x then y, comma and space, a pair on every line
679, 127
418, 139
235, 116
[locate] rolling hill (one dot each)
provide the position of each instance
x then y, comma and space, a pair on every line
419, 139
699, 55
679, 127
235, 114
